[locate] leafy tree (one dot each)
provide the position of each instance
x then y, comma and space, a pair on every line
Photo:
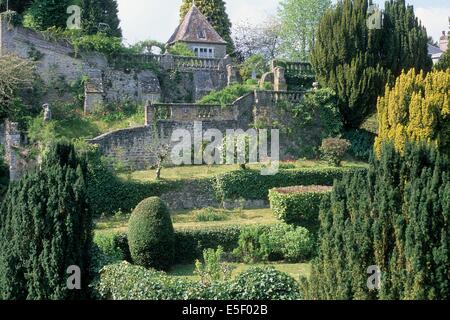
16, 74
45, 227
357, 62
396, 218
215, 12
43, 14
444, 62
416, 109
261, 39
181, 49
101, 16
255, 63
299, 20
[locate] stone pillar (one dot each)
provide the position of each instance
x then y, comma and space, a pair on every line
12, 139
279, 83
167, 62
93, 91
149, 113
232, 75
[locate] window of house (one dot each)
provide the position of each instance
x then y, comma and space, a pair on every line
204, 52
201, 34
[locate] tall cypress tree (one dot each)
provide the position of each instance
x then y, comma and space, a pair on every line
215, 12
357, 62
45, 227
396, 218
96, 12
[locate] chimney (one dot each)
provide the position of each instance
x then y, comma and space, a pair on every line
443, 42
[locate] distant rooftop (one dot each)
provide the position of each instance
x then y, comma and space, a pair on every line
196, 28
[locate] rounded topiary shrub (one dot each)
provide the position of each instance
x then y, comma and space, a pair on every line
151, 236
266, 283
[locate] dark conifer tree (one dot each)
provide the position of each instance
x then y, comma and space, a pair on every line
357, 62
45, 227
101, 16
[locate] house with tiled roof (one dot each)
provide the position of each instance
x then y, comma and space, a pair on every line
436, 52
199, 35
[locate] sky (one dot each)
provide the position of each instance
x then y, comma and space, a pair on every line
157, 19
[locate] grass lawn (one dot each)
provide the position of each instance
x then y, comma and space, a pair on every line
205, 171
189, 219
295, 270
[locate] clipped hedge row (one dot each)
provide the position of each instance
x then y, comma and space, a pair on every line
108, 194
124, 281
251, 185
189, 243
298, 205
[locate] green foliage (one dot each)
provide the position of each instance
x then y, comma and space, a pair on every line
227, 95
255, 63
361, 141
334, 150
181, 49
4, 174
398, 217
44, 14
108, 194
299, 20
124, 281
151, 236
17, 78
213, 268
18, 6
190, 243
274, 243
45, 227
298, 205
357, 62
96, 13
416, 109
215, 12
444, 62
250, 184
265, 284
211, 214
98, 42
114, 246
306, 124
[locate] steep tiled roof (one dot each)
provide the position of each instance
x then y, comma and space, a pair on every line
196, 28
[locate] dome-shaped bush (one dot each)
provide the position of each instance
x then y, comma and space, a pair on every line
265, 284
150, 235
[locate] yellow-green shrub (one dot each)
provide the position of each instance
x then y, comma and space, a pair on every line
416, 109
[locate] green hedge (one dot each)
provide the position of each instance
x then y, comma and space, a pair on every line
123, 281
298, 205
190, 243
109, 194
251, 185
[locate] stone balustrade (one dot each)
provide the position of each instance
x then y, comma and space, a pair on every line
293, 68
273, 97
188, 112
